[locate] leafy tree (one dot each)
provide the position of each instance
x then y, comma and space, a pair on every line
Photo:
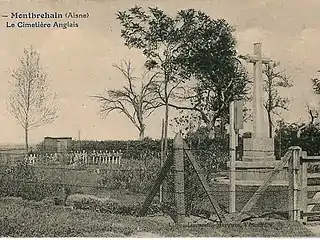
136, 104
186, 123
31, 101
157, 35
274, 101
219, 74
171, 48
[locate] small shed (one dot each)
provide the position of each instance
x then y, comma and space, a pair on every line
57, 144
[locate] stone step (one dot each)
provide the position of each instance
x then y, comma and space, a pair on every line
251, 182
256, 164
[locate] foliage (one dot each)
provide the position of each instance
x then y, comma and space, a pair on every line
219, 75
306, 136
313, 111
212, 60
30, 101
211, 153
157, 35
171, 48
316, 84
136, 104
137, 175
130, 179
130, 148
140, 167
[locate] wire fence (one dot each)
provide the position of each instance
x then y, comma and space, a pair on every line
118, 176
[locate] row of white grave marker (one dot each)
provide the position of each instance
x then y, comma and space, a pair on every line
77, 157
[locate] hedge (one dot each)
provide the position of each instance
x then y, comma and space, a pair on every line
129, 148
287, 135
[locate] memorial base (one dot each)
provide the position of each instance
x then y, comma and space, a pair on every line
258, 149
258, 171
258, 161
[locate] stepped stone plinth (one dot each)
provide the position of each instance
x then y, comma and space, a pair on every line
258, 152
258, 149
258, 161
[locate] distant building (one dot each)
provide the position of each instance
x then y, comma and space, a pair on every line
57, 144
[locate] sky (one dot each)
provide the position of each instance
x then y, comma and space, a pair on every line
79, 60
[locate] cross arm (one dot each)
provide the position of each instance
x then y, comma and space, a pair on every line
254, 58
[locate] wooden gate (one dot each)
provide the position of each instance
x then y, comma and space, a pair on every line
310, 188
303, 188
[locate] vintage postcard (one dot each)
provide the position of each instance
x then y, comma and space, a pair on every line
158, 119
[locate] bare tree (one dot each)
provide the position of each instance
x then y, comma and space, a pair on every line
274, 101
313, 113
312, 110
31, 101
136, 103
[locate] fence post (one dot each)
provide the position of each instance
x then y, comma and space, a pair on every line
304, 191
179, 178
232, 145
294, 184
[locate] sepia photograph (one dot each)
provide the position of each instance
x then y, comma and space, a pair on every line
159, 119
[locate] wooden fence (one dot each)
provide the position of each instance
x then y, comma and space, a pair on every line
304, 185
69, 158
303, 188
307, 183
76, 158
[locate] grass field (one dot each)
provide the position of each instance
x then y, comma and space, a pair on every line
21, 218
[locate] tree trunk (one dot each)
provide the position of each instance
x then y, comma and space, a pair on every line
166, 118
270, 100
165, 132
311, 116
211, 128
26, 139
141, 132
270, 124
223, 127
211, 131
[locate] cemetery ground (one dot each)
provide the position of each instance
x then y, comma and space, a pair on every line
91, 213
21, 218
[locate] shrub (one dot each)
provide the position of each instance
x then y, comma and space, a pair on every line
287, 136
23, 181
133, 179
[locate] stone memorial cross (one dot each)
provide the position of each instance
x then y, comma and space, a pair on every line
260, 125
